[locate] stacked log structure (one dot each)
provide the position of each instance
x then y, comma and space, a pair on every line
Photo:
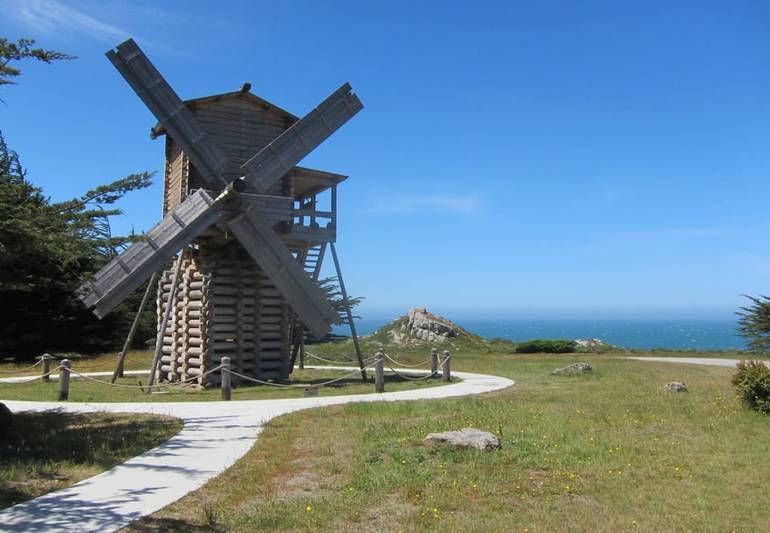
223, 306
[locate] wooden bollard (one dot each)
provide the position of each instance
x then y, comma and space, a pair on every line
434, 362
46, 366
447, 375
226, 381
379, 372
64, 380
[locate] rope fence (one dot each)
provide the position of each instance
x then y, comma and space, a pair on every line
22, 370
376, 362
145, 387
30, 380
300, 385
408, 365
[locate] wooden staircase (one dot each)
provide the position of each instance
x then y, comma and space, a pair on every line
313, 259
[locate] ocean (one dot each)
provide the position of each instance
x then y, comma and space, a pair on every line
677, 334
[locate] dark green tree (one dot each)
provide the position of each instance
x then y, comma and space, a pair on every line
754, 323
23, 49
46, 250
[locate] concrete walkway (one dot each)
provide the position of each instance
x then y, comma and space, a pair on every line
705, 361
214, 436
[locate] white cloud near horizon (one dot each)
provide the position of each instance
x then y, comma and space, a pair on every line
49, 16
431, 203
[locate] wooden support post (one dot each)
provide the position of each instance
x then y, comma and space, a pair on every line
348, 312
164, 322
446, 376
302, 353
134, 326
64, 380
226, 382
434, 362
334, 209
46, 366
379, 372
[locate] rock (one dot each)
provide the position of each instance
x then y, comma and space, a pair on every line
675, 386
466, 438
420, 325
6, 419
590, 343
576, 368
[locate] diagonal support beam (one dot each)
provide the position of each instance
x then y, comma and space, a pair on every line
126, 272
348, 311
280, 156
170, 111
275, 259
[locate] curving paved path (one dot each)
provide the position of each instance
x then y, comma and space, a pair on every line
705, 361
214, 436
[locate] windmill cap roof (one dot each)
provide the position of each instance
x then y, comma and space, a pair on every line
241, 93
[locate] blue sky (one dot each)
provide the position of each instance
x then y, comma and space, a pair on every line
545, 159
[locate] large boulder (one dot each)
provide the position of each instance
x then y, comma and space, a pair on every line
466, 438
6, 419
575, 368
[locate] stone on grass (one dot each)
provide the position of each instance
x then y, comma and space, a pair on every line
575, 368
675, 386
466, 438
6, 418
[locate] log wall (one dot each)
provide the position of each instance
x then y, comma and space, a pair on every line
224, 306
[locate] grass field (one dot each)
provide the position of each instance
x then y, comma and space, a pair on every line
48, 451
605, 452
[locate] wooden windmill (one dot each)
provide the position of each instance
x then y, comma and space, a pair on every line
245, 223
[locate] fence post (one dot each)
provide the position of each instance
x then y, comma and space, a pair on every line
226, 382
64, 380
46, 366
434, 362
447, 376
379, 372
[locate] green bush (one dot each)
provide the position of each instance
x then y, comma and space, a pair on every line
753, 383
546, 346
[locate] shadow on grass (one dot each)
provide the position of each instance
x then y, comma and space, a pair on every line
150, 524
48, 450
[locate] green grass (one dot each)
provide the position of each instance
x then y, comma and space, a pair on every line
82, 390
603, 452
42, 452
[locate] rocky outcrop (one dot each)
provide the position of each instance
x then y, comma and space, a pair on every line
466, 438
591, 343
576, 368
421, 325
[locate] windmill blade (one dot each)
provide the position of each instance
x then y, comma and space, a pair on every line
274, 258
170, 111
280, 156
126, 272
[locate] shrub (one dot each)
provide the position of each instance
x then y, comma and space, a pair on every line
753, 383
546, 346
